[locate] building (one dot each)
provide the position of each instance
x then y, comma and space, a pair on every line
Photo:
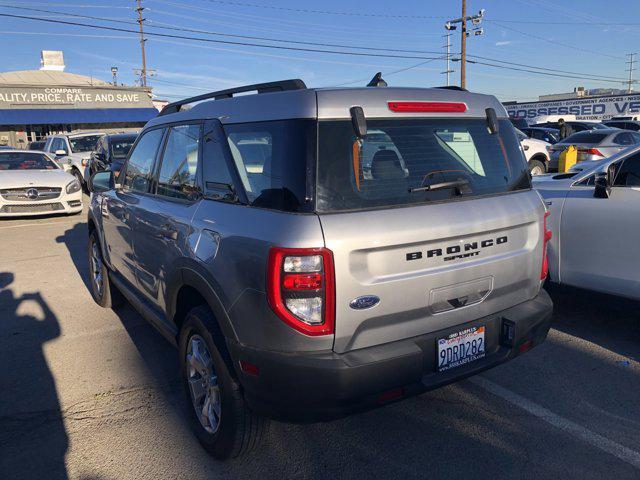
36, 103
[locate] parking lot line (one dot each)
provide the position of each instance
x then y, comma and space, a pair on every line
628, 455
37, 224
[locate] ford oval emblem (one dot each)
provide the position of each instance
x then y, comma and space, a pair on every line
364, 302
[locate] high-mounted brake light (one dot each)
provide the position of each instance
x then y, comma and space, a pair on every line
301, 288
545, 240
428, 107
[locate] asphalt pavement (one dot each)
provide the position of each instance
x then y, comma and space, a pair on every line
89, 393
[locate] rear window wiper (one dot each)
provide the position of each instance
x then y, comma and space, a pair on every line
457, 184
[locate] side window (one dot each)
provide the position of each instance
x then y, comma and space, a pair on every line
139, 170
628, 174
215, 170
623, 138
636, 137
58, 144
177, 177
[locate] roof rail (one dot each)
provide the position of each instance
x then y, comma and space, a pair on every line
453, 87
279, 86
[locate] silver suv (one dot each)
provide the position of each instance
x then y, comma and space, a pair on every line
302, 280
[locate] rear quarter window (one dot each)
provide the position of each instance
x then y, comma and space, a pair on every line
585, 137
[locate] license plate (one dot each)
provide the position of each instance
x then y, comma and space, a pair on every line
460, 348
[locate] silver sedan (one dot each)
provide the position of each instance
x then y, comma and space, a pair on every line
594, 144
594, 220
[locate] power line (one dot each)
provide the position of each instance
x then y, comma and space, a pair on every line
570, 74
388, 74
271, 20
555, 70
168, 26
553, 42
323, 12
210, 40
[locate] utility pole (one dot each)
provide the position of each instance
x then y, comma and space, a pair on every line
143, 71
463, 46
464, 33
447, 46
630, 82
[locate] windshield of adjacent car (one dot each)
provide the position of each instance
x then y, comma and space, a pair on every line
416, 155
26, 161
84, 144
120, 147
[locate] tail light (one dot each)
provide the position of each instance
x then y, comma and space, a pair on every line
301, 288
590, 151
545, 259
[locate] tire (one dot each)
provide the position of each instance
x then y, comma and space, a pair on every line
78, 175
536, 167
235, 430
107, 296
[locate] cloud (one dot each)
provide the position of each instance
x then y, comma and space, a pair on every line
503, 43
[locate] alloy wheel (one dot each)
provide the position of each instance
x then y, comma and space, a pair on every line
203, 384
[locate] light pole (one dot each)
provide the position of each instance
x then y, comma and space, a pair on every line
464, 33
114, 72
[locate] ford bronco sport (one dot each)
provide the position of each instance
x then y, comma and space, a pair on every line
303, 276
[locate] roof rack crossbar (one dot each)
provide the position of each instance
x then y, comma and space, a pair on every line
279, 86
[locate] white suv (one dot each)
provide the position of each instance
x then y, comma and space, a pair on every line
73, 151
536, 153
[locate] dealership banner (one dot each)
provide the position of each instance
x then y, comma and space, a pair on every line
73, 97
592, 108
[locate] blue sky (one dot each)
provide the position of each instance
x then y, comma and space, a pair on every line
574, 36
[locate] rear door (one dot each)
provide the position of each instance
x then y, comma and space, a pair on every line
117, 208
599, 236
163, 217
432, 259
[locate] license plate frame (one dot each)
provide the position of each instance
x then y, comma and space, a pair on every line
458, 348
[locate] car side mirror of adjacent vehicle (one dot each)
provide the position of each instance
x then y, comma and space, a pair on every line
101, 182
604, 181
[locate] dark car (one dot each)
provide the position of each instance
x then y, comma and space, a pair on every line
519, 122
624, 124
576, 126
38, 145
546, 134
110, 152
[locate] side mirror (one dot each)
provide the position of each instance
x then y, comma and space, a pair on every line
604, 181
60, 153
101, 182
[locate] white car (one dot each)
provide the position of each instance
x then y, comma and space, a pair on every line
73, 150
31, 183
593, 219
536, 153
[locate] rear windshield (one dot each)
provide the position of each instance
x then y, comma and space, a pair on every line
413, 161
587, 136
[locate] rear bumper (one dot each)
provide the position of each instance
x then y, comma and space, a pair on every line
310, 387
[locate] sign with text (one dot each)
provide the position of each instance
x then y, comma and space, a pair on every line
593, 108
72, 97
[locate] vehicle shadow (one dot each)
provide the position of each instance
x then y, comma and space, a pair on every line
608, 321
76, 240
32, 432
